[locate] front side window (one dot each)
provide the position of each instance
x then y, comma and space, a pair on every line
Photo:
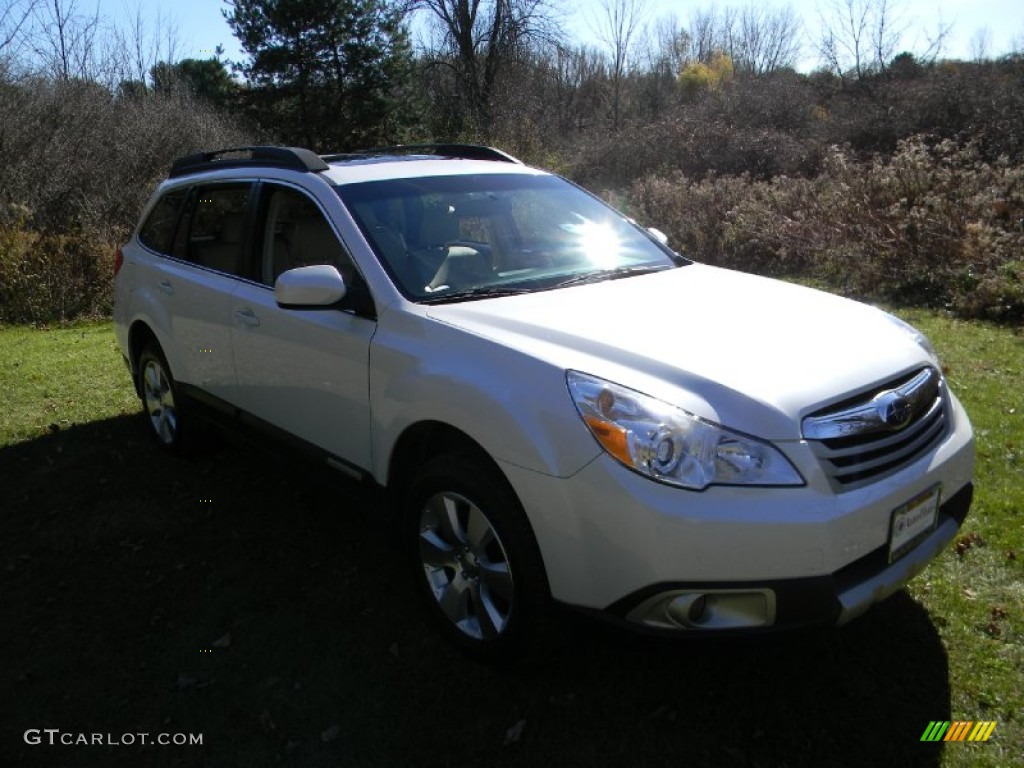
298, 235
455, 237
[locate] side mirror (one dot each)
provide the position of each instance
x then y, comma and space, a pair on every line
320, 285
658, 235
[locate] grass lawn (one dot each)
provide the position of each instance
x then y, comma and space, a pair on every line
244, 597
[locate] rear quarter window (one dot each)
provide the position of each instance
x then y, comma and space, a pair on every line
157, 231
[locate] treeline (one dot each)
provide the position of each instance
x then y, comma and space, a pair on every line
76, 166
886, 174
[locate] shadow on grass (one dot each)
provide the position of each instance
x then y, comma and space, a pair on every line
243, 597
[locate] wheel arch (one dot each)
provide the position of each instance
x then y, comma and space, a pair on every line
425, 439
139, 335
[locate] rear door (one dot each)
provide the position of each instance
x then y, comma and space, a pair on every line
201, 268
305, 371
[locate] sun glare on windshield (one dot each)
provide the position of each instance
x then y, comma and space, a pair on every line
597, 241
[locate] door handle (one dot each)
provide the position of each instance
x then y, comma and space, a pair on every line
247, 316
166, 287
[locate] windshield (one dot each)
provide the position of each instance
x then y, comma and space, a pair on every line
447, 238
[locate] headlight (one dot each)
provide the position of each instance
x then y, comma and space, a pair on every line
919, 338
670, 445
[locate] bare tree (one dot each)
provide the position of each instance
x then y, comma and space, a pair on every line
935, 42
619, 26
859, 37
136, 46
757, 39
477, 38
886, 32
578, 76
1017, 45
14, 15
64, 42
705, 35
766, 39
981, 44
669, 49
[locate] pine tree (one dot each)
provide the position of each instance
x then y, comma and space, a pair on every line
326, 74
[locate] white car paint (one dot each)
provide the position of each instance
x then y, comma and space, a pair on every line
744, 351
751, 354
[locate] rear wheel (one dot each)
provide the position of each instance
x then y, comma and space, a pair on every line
160, 400
475, 558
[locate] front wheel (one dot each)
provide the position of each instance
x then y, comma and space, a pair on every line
475, 558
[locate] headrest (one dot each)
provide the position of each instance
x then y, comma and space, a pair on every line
440, 226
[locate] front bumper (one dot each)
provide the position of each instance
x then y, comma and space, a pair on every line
615, 543
834, 599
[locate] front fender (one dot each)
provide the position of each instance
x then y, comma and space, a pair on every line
516, 407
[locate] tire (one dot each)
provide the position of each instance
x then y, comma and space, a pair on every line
161, 403
475, 559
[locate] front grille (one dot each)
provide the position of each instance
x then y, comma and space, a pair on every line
880, 431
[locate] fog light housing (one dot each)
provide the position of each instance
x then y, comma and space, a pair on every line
687, 610
708, 609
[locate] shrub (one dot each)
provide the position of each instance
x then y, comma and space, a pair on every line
932, 225
47, 277
698, 76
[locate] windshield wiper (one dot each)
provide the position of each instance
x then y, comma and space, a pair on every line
610, 274
468, 294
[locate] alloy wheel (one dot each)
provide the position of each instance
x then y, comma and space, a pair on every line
159, 400
466, 565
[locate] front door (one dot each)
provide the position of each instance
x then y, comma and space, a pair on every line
305, 371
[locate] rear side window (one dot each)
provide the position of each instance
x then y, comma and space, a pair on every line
212, 233
158, 230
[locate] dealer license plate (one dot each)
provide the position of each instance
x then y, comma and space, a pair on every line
912, 522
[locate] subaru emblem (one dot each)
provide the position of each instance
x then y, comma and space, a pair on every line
893, 409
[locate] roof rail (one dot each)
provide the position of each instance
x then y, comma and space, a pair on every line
293, 158
458, 151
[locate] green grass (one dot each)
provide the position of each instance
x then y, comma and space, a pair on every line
120, 568
975, 593
53, 379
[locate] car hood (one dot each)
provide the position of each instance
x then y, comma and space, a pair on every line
748, 352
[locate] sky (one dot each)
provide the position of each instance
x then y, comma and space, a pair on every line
201, 26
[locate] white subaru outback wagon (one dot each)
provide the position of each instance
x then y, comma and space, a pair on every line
564, 409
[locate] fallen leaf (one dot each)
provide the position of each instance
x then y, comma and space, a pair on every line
969, 593
513, 734
967, 541
267, 722
184, 682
